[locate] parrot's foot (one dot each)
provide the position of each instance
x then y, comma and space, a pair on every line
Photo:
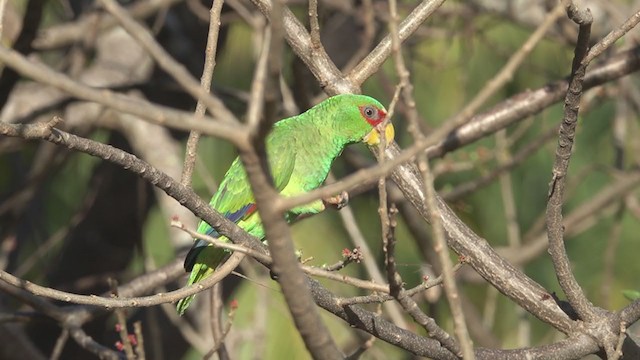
339, 201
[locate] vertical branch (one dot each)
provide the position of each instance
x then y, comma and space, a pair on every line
314, 24
379, 55
62, 339
566, 135
513, 229
205, 82
389, 246
355, 235
256, 105
388, 221
441, 248
219, 342
274, 68
449, 281
620, 129
285, 265
216, 306
121, 327
137, 329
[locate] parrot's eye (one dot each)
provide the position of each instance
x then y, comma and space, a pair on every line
372, 114
369, 112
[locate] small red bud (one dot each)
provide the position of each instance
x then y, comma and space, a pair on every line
118, 327
133, 340
234, 304
119, 346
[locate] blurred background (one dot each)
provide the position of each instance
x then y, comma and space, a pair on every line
71, 221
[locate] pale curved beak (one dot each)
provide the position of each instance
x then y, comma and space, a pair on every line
373, 137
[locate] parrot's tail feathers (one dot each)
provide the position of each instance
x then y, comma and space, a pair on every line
184, 303
192, 256
199, 272
206, 260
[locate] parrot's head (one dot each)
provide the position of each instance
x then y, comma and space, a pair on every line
367, 119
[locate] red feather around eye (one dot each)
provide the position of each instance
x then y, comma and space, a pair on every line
372, 114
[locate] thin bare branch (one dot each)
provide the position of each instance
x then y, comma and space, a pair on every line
566, 136
205, 83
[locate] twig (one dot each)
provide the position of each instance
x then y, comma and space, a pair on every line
216, 305
314, 25
564, 273
225, 331
377, 57
205, 83
124, 302
348, 257
191, 335
121, 325
449, 281
356, 236
396, 289
512, 226
255, 109
618, 349
611, 38
60, 343
87, 342
139, 347
378, 298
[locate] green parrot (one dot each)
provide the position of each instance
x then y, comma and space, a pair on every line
300, 151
